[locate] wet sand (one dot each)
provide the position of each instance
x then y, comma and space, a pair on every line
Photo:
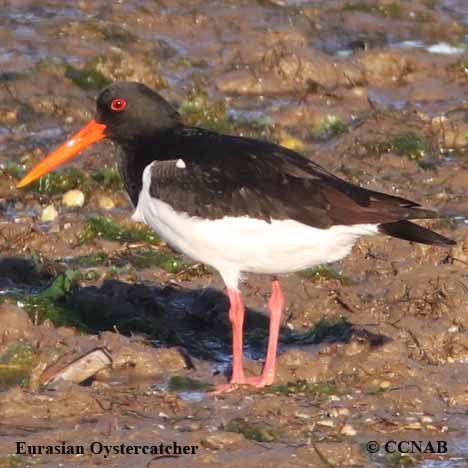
373, 348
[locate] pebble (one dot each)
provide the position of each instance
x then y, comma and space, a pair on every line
348, 430
292, 143
73, 198
414, 426
222, 440
337, 412
49, 213
385, 384
426, 419
326, 423
106, 203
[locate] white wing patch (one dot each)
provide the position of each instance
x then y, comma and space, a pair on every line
180, 164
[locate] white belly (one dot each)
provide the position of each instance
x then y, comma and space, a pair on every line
235, 245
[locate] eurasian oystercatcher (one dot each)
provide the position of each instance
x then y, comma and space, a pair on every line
237, 204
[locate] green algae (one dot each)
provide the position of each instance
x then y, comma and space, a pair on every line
178, 383
58, 182
88, 78
16, 364
332, 126
147, 258
392, 10
398, 459
13, 169
198, 111
108, 179
323, 272
411, 145
316, 389
87, 261
139, 259
327, 328
100, 227
257, 431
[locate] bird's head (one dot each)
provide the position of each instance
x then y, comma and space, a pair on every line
125, 112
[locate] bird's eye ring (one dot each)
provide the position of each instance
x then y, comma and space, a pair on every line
118, 105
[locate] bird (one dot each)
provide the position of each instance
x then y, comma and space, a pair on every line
237, 204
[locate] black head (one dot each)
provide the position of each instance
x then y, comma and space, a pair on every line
131, 110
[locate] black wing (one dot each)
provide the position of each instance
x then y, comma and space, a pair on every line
232, 176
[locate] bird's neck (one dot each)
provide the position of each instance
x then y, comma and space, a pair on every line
135, 156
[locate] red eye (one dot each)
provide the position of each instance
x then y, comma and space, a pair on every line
118, 105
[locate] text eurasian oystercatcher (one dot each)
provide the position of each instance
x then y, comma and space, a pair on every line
237, 204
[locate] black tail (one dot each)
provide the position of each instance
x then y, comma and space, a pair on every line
412, 232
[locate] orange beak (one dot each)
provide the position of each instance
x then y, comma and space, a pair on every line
86, 136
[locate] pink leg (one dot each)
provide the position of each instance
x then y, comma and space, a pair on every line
236, 316
275, 304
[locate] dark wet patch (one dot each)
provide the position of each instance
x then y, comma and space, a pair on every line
48, 303
21, 271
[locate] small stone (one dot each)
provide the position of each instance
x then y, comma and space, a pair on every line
348, 430
73, 198
453, 329
426, 419
192, 427
326, 423
384, 384
222, 440
414, 426
291, 142
49, 213
343, 412
106, 203
354, 348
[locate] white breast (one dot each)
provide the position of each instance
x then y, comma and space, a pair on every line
234, 245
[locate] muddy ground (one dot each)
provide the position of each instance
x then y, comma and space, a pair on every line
373, 348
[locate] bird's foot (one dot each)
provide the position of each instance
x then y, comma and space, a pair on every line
257, 382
